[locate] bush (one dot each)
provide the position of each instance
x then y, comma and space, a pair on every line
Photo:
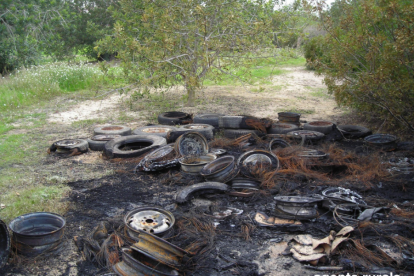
367, 58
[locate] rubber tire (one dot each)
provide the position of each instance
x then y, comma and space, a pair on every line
235, 133
186, 193
207, 131
354, 132
124, 131
179, 118
5, 243
83, 146
112, 147
208, 119
232, 122
139, 131
96, 145
325, 129
278, 129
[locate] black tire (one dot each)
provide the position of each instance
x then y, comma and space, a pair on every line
354, 132
309, 134
113, 149
172, 118
97, 143
5, 243
235, 133
208, 119
205, 187
232, 122
112, 130
69, 145
280, 128
324, 127
159, 130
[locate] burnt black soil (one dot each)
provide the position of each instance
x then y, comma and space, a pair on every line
113, 196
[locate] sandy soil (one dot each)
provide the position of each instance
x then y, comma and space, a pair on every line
298, 90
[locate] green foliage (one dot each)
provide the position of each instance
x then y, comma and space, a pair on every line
36, 84
86, 23
368, 58
164, 43
23, 25
288, 24
314, 49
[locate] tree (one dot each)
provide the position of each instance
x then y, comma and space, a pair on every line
86, 23
164, 43
23, 25
369, 64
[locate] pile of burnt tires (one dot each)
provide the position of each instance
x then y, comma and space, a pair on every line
117, 141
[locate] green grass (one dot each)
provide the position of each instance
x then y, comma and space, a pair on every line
27, 87
39, 198
319, 93
259, 72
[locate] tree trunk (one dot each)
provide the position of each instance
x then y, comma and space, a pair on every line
191, 96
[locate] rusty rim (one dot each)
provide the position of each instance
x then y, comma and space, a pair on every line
153, 220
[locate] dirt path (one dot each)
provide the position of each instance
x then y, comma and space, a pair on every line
298, 90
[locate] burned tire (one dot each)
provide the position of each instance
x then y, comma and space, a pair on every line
235, 133
172, 118
205, 187
354, 132
324, 127
232, 122
69, 145
133, 145
208, 119
4, 243
159, 130
112, 130
97, 142
280, 128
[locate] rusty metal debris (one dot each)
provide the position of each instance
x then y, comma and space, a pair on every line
219, 169
289, 117
312, 154
382, 141
266, 221
135, 263
159, 249
191, 144
252, 161
160, 159
278, 144
194, 164
153, 220
245, 183
205, 187
4, 244
402, 165
296, 207
35, 233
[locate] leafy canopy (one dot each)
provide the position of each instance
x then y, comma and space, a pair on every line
368, 57
164, 43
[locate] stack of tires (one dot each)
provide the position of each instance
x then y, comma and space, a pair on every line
236, 126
